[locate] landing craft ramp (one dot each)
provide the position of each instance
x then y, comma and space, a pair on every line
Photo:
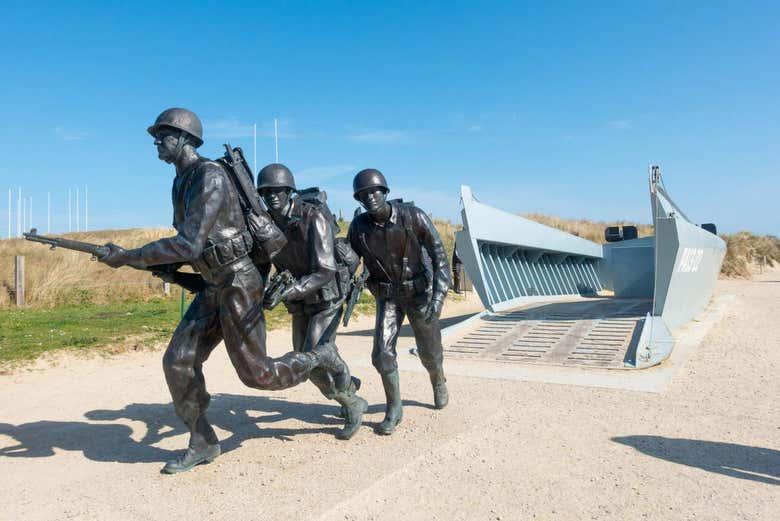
599, 332
545, 290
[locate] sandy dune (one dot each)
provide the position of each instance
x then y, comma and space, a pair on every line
85, 439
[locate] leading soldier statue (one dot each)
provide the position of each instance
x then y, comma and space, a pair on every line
391, 238
213, 238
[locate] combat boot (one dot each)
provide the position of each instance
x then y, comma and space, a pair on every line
395, 412
191, 458
439, 383
343, 410
203, 448
353, 407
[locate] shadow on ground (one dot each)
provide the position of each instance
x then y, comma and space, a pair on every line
737, 461
107, 438
406, 330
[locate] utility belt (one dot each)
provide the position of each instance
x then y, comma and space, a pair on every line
414, 287
228, 255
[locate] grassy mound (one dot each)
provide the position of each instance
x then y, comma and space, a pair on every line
744, 249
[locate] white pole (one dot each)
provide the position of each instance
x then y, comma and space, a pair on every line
69, 212
276, 140
86, 208
48, 212
19, 214
31, 221
78, 214
24, 214
254, 153
9, 213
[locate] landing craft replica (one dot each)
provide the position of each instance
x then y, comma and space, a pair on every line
658, 284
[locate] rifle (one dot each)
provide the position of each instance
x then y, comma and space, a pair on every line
87, 247
97, 251
268, 239
354, 295
278, 284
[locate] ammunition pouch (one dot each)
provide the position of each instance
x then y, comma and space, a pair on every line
336, 289
416, 287
344, 280
228, 255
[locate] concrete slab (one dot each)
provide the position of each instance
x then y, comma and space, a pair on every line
652, 380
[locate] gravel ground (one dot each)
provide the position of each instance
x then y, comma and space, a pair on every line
85, 439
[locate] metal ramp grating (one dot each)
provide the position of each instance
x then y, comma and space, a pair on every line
596, 332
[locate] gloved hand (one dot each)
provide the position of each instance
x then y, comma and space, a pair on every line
433, 310
292, 294
116, 256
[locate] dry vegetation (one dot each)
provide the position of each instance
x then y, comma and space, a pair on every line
66, 277
62, 277
745, 252
590, 230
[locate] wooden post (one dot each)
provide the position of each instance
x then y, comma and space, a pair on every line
19, 279
167, 288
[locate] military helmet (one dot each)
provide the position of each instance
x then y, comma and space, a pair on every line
180, 119
275, 175
368, 178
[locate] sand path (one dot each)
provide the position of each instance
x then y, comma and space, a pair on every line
85, 440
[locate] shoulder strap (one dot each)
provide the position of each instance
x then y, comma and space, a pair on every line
406, 218
374, 259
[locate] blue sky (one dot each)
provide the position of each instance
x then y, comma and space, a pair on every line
552, 107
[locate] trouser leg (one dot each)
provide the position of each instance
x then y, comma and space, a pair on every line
430, 350
389, 317
428, 337
192, 342
300, 325
321, 328
243, 328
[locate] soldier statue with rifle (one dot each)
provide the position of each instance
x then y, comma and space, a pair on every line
313, 278
392, 237
219, 224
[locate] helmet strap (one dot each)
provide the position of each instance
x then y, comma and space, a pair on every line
180, 144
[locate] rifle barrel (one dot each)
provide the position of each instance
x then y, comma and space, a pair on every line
68, 244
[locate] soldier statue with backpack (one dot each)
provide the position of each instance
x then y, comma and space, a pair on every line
393, 239
219, 224
321, 266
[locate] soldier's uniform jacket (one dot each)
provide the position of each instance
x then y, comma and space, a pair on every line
393, 253
309, 254
212, 234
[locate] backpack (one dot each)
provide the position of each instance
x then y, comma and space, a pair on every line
345, 255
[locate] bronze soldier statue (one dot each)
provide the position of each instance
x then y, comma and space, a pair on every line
212, 237
322, 275
391, 238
